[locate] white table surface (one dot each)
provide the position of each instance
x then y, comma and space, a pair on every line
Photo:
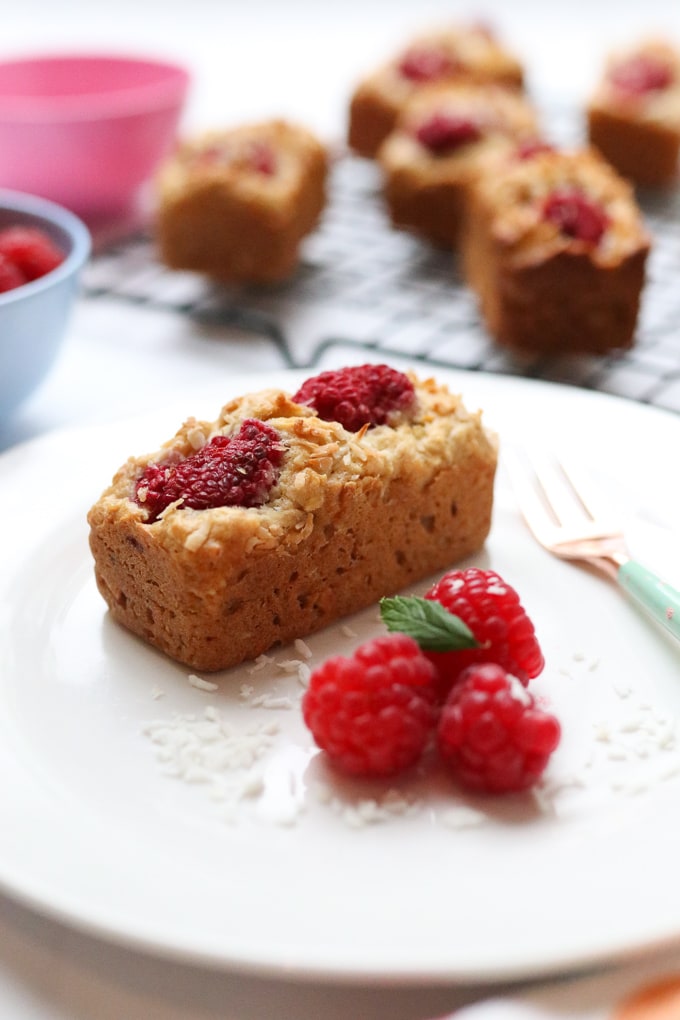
252, 59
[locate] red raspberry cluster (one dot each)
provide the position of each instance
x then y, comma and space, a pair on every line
26, 254
375, 713
576, 215
641, 74
237, 470
443, 132
426, 64
359, 395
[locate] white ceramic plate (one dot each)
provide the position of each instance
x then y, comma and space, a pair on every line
275, 866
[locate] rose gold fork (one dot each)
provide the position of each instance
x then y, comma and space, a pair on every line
559, 518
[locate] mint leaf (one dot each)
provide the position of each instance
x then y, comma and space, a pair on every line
433, 627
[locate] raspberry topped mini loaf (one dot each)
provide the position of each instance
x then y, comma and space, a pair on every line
287, 513
442, 137
236, 204
634, 115
463, 53
555, 248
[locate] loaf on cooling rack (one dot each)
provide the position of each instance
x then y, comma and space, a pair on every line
434, 153
461, 53
555, 249
634, 114
236, 204
322, 518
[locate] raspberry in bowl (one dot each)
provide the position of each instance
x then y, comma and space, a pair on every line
43, 248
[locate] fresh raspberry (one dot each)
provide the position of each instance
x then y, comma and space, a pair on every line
532, 147
492, 610
374, 712
641, 74
31, 250
443, 133
255, 155
11, 276
358, 396
262, 158
423, 64
575, 215
491, 733
236, 470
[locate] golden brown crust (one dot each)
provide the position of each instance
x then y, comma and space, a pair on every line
639, 134
352, 518
425, 192
378, 100
538, 289
221, 218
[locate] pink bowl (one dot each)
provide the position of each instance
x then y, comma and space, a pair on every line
87, 131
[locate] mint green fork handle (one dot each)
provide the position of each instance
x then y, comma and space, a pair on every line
657, 597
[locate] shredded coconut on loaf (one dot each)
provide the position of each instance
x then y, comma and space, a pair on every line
351, 517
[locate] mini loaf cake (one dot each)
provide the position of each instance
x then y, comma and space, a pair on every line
465, 53
555, 248
272, 521
634, 114
236, 204
435, 151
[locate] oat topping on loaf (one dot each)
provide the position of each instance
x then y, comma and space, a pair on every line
247, 158
521, 195
352, 516
645, 82
462, 53
487, 117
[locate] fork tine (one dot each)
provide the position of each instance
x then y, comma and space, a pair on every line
582, 484
550, 503
532, 505
559, 492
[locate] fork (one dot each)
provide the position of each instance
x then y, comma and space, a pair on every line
552, 504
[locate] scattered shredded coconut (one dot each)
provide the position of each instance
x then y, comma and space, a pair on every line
157, 693
371, 811
289, 665
347, 631
204, 748
303, 649
260, 663
298, 667
272, 701
200, 684
304, 674
460, 816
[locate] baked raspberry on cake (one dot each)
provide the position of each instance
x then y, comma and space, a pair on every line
462, 53
634, 114
277, 518
237, 204
442, 137
555, 248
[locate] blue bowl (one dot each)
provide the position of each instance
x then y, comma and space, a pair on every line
33, 318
